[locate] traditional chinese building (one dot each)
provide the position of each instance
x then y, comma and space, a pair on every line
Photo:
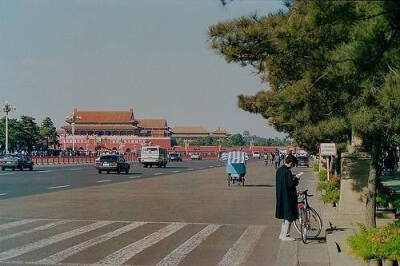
112, 130
195, 132
154, 127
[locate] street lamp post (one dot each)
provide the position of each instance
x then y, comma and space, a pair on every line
7, 109
73, 119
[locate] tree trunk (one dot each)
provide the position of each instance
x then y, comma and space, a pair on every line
370, 215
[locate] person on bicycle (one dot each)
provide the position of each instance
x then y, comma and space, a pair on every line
286, 197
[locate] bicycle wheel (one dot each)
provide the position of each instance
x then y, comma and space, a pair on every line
313, 224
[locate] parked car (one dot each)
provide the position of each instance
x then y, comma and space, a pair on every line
175, 157
195, 156
16, 161
303, 161
256, 155
112, 163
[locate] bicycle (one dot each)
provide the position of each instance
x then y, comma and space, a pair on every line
309, 223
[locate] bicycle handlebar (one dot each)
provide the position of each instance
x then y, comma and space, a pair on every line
305, 192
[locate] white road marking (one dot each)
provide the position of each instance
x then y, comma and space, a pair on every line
126, 253
211, 166
176, 256
191, 169
11, 253
16, 223
3, 194
36, 229
135, 176
102, 181
75, 169
44, 171
56, 187
158, 174
176, 171
242, 249
62, 255
7, 174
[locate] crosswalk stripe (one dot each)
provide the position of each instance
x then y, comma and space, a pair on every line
243, 247
124, 254
62, 255
51, 240
176, 256
36, 229
16, 223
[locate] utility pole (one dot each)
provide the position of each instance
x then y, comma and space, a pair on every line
7, 108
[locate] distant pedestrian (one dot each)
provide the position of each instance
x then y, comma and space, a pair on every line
277, 160
293, 157
286, 198
266, 158
390, 161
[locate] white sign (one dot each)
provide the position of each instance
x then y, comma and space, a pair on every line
328, 149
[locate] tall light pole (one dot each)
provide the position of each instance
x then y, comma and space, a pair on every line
7, 108
73, 119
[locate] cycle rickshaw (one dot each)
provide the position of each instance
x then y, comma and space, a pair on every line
235, 166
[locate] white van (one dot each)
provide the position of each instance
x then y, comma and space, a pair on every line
154, 155
256, 155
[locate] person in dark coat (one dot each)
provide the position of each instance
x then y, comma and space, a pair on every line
286, 197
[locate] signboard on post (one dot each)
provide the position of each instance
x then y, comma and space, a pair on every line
328, 149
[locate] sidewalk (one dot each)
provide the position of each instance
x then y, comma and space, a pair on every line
315, 253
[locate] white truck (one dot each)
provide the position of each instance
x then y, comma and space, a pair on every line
154, 155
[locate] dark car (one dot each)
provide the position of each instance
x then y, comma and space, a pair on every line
175, 157
112, 163
16, 161
303, 161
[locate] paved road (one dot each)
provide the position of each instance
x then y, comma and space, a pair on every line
59, 177
186, 218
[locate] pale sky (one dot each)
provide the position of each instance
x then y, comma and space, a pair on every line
149, 55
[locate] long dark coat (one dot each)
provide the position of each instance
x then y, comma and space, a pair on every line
286, 194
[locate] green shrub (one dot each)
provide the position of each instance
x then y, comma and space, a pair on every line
331, 195
322, 175
396, 202
315, 166
382, 200
377, 243
323, 186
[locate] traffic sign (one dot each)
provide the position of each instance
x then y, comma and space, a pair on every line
328, 149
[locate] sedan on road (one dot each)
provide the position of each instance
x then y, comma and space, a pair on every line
195, 156
112, 163
16, 161
303, 161
175, 157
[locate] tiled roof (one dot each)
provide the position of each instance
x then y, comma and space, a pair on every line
189, 130
101, 127
152, 123
103, 116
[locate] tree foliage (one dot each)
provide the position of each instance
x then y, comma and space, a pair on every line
48, 132
324, 62
333, 68
25, 134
